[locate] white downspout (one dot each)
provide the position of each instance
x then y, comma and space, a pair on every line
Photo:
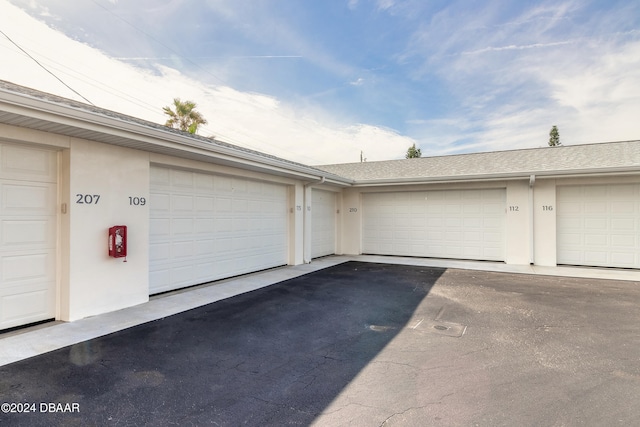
532, 181
306, 230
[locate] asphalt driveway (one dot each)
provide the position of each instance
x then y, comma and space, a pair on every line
357, 344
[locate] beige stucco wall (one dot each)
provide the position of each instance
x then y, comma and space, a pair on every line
517, 223
544, 222
350, 240
106, 176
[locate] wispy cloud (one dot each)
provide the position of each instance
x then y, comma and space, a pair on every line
156, 58
517, 47
305, 133
451, 76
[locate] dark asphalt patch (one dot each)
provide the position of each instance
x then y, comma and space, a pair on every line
278, 355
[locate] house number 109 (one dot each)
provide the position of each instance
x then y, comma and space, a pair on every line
137, 201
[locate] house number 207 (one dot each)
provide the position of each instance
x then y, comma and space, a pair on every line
87, 199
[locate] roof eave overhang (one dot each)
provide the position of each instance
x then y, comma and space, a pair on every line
138, 136
573, 173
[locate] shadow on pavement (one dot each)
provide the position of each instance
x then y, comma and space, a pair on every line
278, 355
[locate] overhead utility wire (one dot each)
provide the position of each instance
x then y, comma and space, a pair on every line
160, 42
193, 63
45, 68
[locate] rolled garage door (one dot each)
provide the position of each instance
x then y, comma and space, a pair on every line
206, 227
599, 225
461, 224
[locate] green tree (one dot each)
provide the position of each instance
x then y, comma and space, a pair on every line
413, 152
183, 116
554, 137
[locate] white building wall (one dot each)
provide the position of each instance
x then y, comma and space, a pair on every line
102, 182
350, 240
544, 221
296, 224
517, 224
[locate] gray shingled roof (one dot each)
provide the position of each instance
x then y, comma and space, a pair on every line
561, 160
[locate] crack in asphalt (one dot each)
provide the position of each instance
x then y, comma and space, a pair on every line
413, 408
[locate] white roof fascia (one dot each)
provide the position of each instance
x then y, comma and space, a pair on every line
498, 177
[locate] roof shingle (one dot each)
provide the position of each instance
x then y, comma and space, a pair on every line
611, 156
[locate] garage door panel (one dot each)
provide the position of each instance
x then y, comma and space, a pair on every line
204, 226
489, 253
204, 205
30, 199
596, 258
182, 203
493, 208
160, 201
623, 240
22, 234
160, 251
323, 223
473, 236
622, 257
28, 218
567, 239
181, 179
596, 239
473, 252
159, 227
569, 207
182, 226
453, 224
567, 223
223, 205
495, 238
595, 208
218, 227
205, 247
628, 224
627, 207
24, 306
27, 164
599, 225
204, 183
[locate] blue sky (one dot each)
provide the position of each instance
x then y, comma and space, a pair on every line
343, 76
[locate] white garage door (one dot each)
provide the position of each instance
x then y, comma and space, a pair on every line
323, 223
599, 225
27, 235
206, 227
464, 224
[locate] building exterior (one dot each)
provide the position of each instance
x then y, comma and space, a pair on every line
198, 210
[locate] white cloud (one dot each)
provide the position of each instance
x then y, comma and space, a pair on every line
512, 79
300, 133
516, 47
385, 4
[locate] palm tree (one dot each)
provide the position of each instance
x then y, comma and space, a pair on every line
184, 117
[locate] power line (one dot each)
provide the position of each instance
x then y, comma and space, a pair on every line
44, 68
245, 136
160, 42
